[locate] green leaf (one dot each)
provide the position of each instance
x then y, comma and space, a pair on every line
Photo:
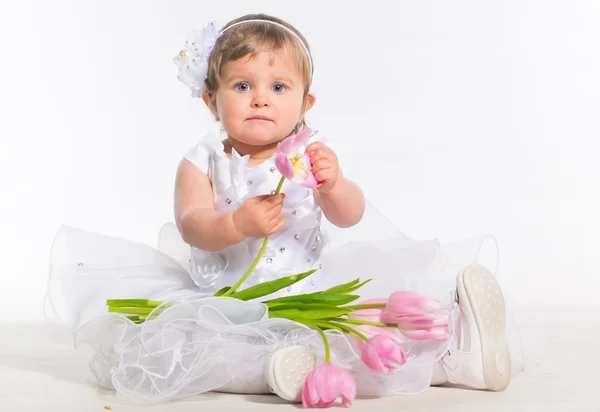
306, 311
317, 297
341, 288
272, 286
220, 292
352, 289
133, 310
329, 325
141, 312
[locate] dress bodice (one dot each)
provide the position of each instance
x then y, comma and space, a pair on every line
294, 249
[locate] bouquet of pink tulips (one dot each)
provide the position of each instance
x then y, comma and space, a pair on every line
371, 325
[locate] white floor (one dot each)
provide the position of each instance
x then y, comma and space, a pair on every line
40, 371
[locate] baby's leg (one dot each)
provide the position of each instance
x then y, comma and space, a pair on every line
479, 357
248, 382
282, 373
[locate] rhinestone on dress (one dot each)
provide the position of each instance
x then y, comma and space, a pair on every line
313, 248
269, 260
308, 259
296, 236
272, 169
289, 289
272, 192
80, 264
294, 212
249, 182
318, 238
228, 201
320, 266
282, 249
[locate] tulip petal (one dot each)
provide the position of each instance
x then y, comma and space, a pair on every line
301, 139
435, 334
310, 397
372, 360
405, 303
287, 145
293, 143
348, 389
328, 383
284, 165
325, 383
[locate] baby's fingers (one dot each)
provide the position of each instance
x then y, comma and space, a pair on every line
278, 226
273, 201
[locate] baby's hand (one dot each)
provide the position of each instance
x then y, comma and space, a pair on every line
325, 166
259, 216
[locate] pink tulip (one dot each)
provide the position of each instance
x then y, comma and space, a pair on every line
370, 331
292, 163
417, 316
325, 383
370, 314
383, 354
406, 303
424, 327
373, 314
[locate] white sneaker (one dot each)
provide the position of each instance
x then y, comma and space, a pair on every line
482, 359
287, 369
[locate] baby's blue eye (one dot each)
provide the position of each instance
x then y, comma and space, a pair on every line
242, 87
278, 87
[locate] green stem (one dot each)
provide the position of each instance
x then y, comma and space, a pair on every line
279, 185
327, 350
365, 306
315, 325
365, 322
344, 328
260, 253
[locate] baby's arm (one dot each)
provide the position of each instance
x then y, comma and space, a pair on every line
341, 200
198, 222
344, 205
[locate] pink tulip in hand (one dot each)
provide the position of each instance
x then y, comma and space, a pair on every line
325, 165
294, 165
325, 383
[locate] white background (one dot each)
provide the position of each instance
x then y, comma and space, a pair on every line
456, 117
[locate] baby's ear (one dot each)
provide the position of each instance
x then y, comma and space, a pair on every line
310, 102
208, 102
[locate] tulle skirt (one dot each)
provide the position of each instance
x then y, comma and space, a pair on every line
220, 344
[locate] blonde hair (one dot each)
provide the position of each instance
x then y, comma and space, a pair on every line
252, 38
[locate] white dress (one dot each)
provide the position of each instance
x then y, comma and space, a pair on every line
217, 344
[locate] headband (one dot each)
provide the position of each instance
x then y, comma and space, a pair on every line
192, 60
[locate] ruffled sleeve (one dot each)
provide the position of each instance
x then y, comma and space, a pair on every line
202, 153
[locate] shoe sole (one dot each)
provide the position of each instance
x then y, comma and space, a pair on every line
287, 369
486, 304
